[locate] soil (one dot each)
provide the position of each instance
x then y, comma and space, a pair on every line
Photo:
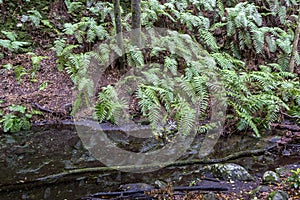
55, 103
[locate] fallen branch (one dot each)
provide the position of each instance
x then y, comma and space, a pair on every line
41, 108
290, 127
171, 164
157, 191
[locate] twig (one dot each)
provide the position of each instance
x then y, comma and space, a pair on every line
42, 108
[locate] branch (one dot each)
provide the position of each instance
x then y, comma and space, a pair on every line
49, 179
157, 191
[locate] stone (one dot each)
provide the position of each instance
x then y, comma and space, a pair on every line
136, 187
278, 195
270, 177
209, 196
229, 171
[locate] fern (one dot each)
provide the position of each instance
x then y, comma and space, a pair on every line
10, 35
208, 40
63, 51
225, 62
11, 43
102, 9
192, 21
258, 97
110, 106
73, 6
270, 40
33, 16
207, 5
86, 30
135, 57
258, 40
171, 64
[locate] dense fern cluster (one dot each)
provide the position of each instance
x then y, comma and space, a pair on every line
164, 95
256, 96
176, 83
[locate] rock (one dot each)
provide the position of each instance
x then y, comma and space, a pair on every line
270, 177
285, 170
229, 171
209, 196
259, 189
136, 187
279, 195
160, 184
274, 139
47, 193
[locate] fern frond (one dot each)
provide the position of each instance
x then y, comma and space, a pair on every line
135, 57
271, 43
208, 40
10, 35
258, 38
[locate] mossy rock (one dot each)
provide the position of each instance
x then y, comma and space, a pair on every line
229, 171
270, 177
278, 195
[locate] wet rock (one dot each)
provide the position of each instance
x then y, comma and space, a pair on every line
274, 139
136, 187
229, 171
47, 193
270, 177
160, 184
278, 195
209, 196
259, 189
285, 170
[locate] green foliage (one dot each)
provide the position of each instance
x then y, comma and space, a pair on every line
135, 57
294, 179
250, 51
8, 66
78, 68
73, 6
19, 72
35, 60
86, 30
279, 8
17, 120
163, 94
11, 42
43, 86
102, 10
35, 17
257, 97
206, 5
110, 106
208, 40
63, 51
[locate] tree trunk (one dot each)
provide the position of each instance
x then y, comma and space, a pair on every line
136, 22
3, 11
295, 46
119, 34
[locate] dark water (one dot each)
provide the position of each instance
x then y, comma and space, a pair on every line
26, 157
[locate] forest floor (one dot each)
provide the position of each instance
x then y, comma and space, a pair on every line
55, 102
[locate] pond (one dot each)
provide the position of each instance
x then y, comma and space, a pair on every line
30, 158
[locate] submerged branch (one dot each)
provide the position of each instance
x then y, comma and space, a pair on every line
49, 179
